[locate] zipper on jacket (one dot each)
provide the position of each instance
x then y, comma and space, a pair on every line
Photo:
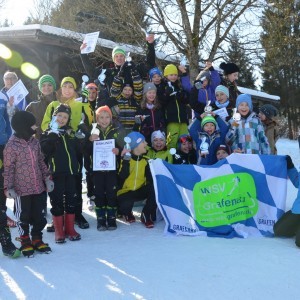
33, 169
69, 158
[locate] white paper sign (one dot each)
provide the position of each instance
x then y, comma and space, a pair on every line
91, 41
103, 157
18, 91
222, 112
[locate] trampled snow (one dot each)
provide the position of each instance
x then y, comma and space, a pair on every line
133, 262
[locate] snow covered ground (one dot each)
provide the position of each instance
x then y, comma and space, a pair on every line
138, 263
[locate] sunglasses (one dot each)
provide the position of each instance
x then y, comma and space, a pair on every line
185, 139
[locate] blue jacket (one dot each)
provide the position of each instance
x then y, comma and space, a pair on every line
5, 129
214, 140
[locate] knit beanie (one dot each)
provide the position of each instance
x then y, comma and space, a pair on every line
21, 123
208, 119
224, 148
170, 69
103, 108
69, 79
229, 68
149, 86
244, 98
46, 78
118, 50
182, 139
269, 111
92, 86
223, 89
136, 139
154, 71
158, 135
62, 108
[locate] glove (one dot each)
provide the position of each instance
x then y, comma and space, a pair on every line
11, 193
85, 95
289, 162
49, 185
91, 205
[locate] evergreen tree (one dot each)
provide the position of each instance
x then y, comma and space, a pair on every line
238, 55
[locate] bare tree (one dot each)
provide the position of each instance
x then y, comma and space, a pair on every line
198, 29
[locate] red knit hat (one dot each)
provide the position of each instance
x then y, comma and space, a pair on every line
103, 108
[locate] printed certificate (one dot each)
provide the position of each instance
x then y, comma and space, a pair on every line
103, 157
91, 40
18, 91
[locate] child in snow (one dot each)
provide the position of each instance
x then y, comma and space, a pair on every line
25, 179
208, 133
267, 114
185, 154
149, 117
60, 148
136, 181
174, 104
158, 147
105, 182
247, 135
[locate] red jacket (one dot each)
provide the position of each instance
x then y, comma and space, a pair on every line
24, 168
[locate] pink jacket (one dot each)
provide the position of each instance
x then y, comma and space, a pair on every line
24, 168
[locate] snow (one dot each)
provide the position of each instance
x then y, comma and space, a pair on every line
133, 262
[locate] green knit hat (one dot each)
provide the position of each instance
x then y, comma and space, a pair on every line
46, 78
208, 119
118, 50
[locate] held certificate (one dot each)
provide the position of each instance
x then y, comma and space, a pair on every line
103, 157
18, 91
91, 40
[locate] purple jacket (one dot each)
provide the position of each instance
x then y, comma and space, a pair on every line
24, 168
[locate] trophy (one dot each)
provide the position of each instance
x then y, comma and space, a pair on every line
173, 152
183, 61
79, 134
85, 80
208, 108
172, 87
54, 125
127, 155
102, 76
95, 130
204, 147
236, 115
128, 59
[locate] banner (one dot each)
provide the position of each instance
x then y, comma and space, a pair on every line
240, 196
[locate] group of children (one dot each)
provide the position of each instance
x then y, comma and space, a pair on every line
153, 116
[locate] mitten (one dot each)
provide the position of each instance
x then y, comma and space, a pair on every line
11, 193
289, 162
85, 95
49, 184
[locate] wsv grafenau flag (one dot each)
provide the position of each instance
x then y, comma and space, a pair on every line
240, 196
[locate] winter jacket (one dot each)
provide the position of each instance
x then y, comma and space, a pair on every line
38, 109
61, 152
78, 110
214, 140
5, 129
271, 132
162, 154
175, 106
153, 121
24, 167
133, 174
249, 136
182, 158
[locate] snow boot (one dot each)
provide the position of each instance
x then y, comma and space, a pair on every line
146, 221
101, 218
39, 245
81, 221
130, 218
69, 228
8, 248
26, 246
111, 218
58, 222
50, 227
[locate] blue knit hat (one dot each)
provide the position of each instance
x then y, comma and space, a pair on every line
136, 139
244, 98
154, 71
223, 89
